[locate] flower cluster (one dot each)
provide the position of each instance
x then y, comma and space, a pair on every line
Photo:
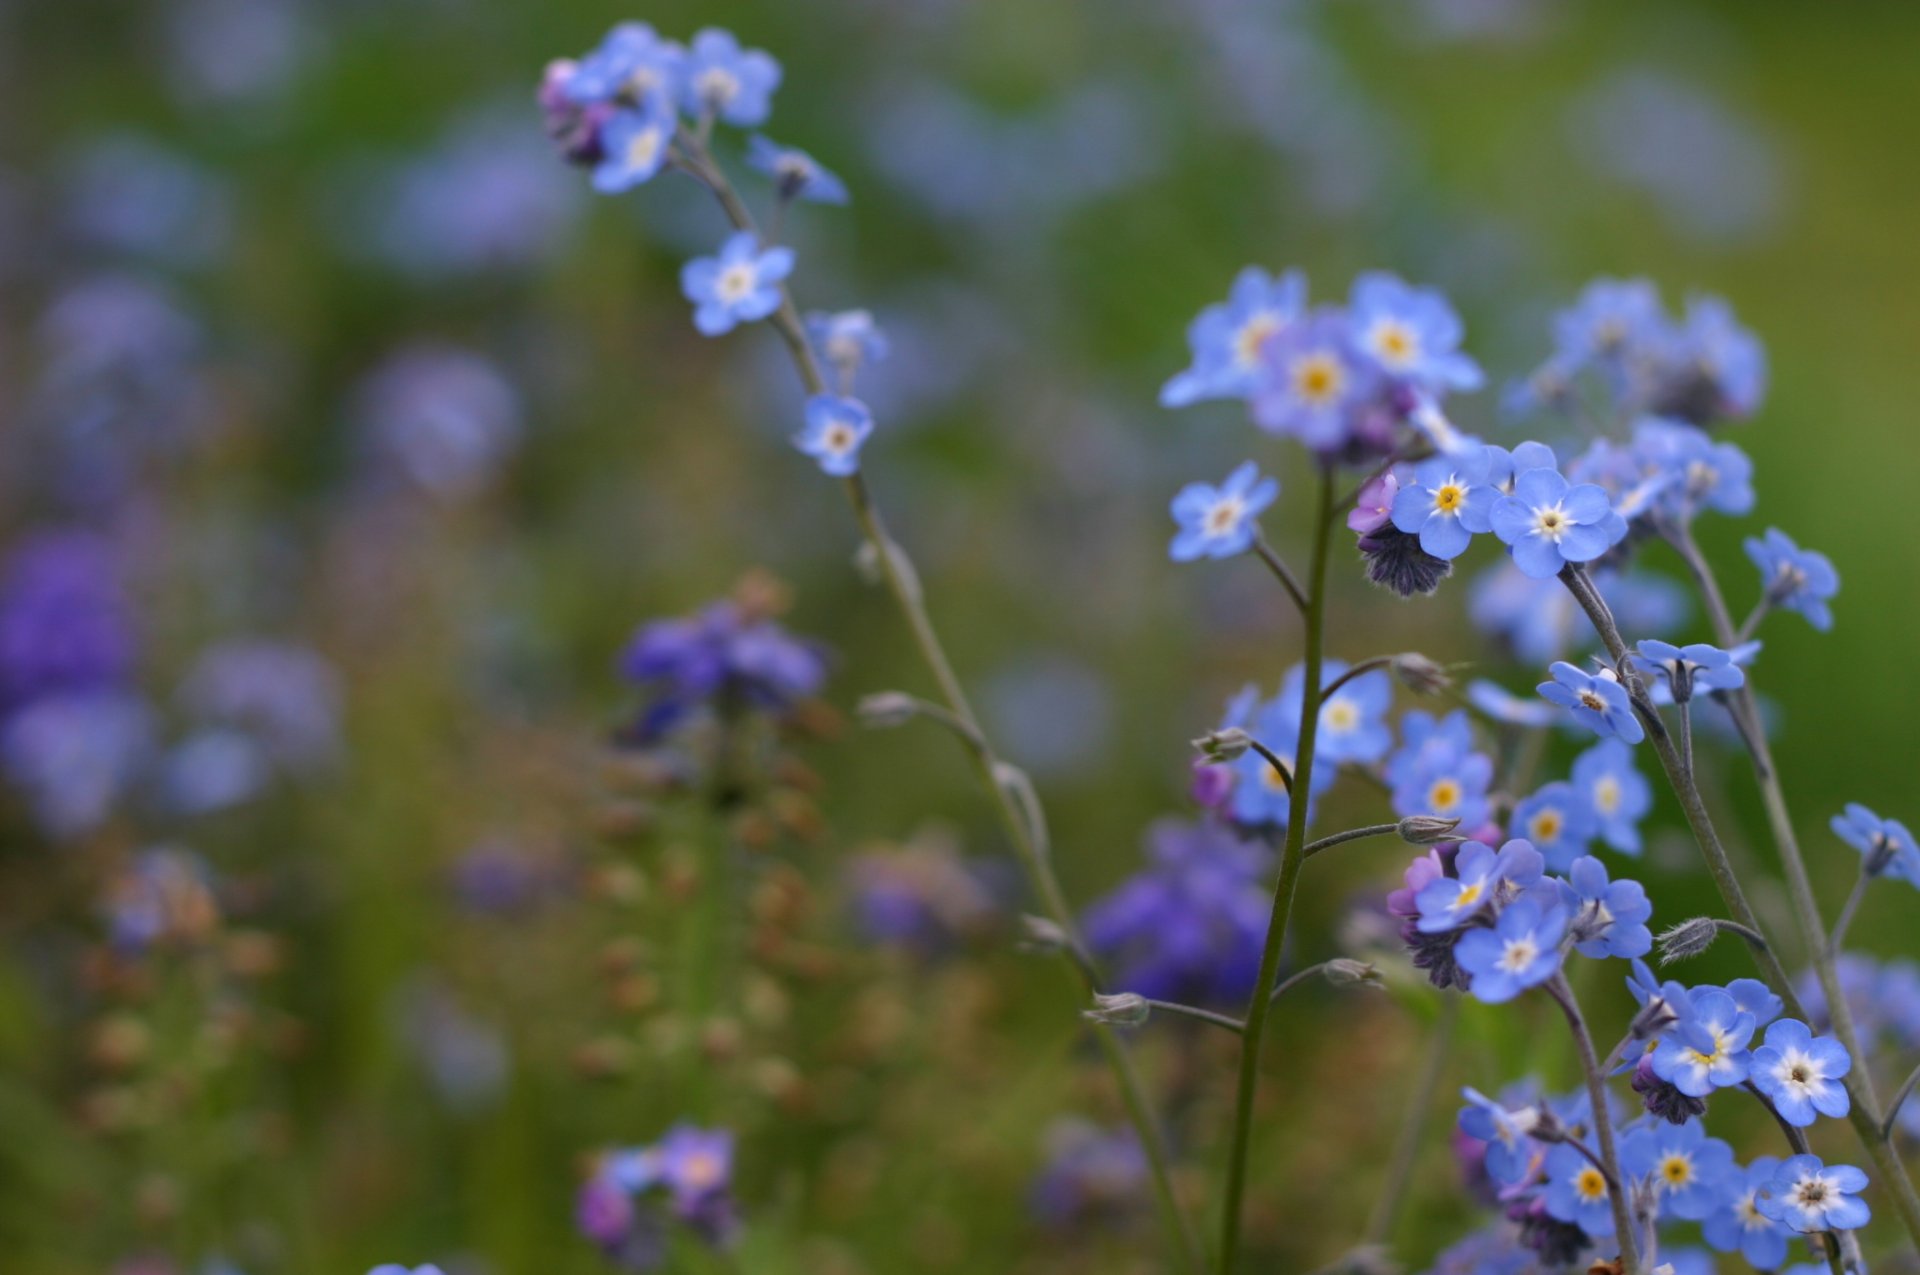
635, 1196
731, 657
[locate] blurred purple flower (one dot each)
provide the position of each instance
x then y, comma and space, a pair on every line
66, 624
723, 656
442, 417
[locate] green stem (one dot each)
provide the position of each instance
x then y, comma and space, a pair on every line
1351, 834
1292, 855
1864, 1111
1562, 993
1021, 824
1406, 1146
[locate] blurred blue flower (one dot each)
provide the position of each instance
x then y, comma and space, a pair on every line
1437, 771
1312, 381
1220, 522
1229, 339
739, 284
1091, 1175
835, 431
1412, 333
1795, 578
848, 340
1886, 847
726, 657
632, 62
1510, 1150
720, 78
796, 174
635, 144
66, 624
1615, 794
75, 756
165, 895
443, 418
1555, 820
128, 195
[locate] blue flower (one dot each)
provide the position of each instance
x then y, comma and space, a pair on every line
1886, 847
1313, 380
1687, 1171
1437, 771
835, 431
1795, 578
632, 62
849, 340
1617, 796
1739, 1226
1577, 1191
1751, 996
1412, 333
1554, 819
1597, 700
1808, 1195
1609, 917
1189, 927
740, 284
1522, 950
1352, 729
1611, 319
1482, 880
796, 174
1548, 522
1707, 1050
726, 654
1800, 1073
1687, 669
1448, 504
1219, 522
1504, 466
1685, 470
1509, 1156
1663, 1006
1228, 339
1727, 357
720, 78
635, 144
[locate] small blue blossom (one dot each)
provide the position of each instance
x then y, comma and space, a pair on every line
1522, 950
1482, 880
1597, 700
1577, 1191
796, 174
1611, 318
1549, 522
1726, 356
1609, 917
1809, 1195
1555, 820
1800, 1073
1738, 1225
1510, 1153
835, 431
726, 655
1687, 1171
1751, 996
1504, 466
848, 340
1438, 772
740, 284
1886, 847
1228, 339
1412, 333
1795, 578
1663, 1006
1353, 728
634, 62
1448, 504
1502, 705
1617, 796
1313, 381
1684, 470
1688, 669
1220, 522
722, 79
1708, 1050
635, 144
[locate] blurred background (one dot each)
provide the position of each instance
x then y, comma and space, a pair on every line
360, 436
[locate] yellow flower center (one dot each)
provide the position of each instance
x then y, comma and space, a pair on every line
1443, 796
1394, 343
1606, 795
1342, 716
1590, 1184
1449, 497
1546, 825
1676, 1170
1318, 378
1253, 334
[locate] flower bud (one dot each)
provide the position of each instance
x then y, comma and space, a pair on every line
885, 709
1427, 830
1343, 972
1687, 940
1125, 1009
1419, 674
1041, 937
1228, 744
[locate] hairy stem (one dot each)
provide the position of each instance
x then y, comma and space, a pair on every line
1292, 855
1351, 834
1021, 825
1562, 993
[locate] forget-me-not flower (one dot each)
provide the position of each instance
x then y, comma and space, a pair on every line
847, 339
1482, 880
1522, 950
1800, 1072
635, 143
1509, 1155
1219, 522
1687, 1171
632, 62
1795, 578
1609, 917
1809, 1195
1437, 770
1450, 501
1228, 339
1412, 333
1549, 522
739, 284
1886, 847
1616, 795
1576, 1191
1313, 379
722, 79
1353, 728
796, 174
1555, 820
835, 430
1597, 701
1739, 1226
1697, 666
1708, 1049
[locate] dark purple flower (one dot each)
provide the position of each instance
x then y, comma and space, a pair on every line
725, 657
65, 623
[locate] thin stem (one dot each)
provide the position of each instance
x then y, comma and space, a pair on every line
1686, 737
1562, 993
1280, 571
1291, 857
1847, 909
1021, 827
1899, 1097
1279, 767
1752, 622
1863, 1111
1351, 834
1296, 978
1413, 1124
1232, 1024
1364, 666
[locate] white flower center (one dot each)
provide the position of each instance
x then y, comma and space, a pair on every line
1225, 516
717, 86
644, 147
1550, 522
1606, 795
1341, 716
1518, 954
838, 439
1252, 335
1799, 1074
1546, 824
737, 282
